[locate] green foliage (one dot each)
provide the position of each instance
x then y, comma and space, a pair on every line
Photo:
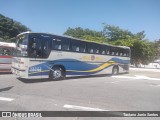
143, 52
98, 39
86, 34
80, 32
9, 29
114, 33
157, 46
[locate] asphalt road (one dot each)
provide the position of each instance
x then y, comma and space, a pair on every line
137, 91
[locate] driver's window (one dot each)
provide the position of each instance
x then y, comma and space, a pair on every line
36, 47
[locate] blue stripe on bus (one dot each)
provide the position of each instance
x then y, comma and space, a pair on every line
74, 67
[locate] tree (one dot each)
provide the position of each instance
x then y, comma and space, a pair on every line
9, 29
86, 34
157, 47
79, 32
114, 33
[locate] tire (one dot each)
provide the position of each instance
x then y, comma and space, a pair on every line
57, 73
115, 70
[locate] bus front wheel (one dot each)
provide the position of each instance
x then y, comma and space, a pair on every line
57, 73
115, 70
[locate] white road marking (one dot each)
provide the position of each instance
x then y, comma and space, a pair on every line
137, 77
114, 82
83, 108
155, 85
144, 69
6, 99
123, 77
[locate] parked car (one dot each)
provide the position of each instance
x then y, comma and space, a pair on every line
7, 51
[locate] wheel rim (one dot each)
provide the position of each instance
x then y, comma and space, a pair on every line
57, 74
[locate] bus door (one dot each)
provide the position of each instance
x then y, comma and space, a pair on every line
39, 52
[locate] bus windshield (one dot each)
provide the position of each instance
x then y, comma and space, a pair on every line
22, 45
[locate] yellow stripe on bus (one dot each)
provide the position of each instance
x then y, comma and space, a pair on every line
96, 69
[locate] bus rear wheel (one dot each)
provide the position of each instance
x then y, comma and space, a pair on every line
57, 73
115, 70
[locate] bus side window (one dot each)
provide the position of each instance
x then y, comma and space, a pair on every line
82, 47
65, 47
90, 50
60, 43
103, 50
57, 47
93, 48
65, 44
96, 50
6, 51
77, 46
107, 52
121, 52
56, 44
127, 53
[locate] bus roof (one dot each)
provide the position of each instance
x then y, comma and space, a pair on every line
66, 36
7, 44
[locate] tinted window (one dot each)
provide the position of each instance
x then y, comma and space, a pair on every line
123, 52
126, 52
60, 43
114, 51
40, 45
22, 45
108, 48
36, 47
7, 51
93, 48
103, 50
78, 46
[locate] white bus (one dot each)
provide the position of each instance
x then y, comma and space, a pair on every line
42, 55
7, 51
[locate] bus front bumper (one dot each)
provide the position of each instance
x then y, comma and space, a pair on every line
19, 73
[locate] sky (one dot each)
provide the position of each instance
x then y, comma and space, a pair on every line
55, 16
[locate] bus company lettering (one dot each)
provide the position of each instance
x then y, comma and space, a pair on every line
35, 69
86, 58
93, 58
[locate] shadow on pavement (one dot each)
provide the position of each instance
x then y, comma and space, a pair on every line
6, 89
68, 78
